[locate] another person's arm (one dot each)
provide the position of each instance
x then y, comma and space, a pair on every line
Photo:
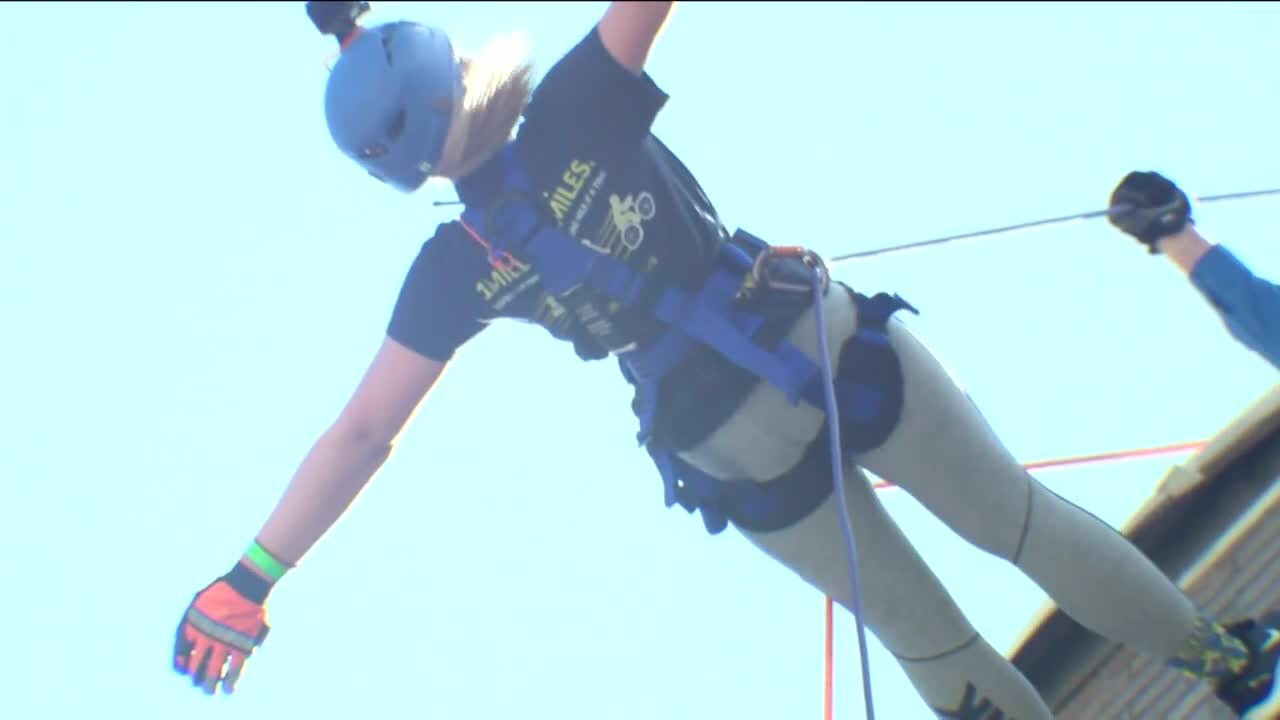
1184, 248
1156, 212
1248, 304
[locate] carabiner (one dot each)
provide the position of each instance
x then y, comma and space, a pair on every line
764, 278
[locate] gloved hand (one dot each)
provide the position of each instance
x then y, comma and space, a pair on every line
335, 18
220, 630
1148, 206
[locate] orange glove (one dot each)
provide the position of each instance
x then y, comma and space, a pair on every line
221, 629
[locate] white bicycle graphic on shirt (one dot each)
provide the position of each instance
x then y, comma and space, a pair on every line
628, 214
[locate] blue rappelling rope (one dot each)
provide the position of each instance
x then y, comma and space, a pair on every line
837, 471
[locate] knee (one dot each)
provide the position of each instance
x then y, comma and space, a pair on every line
916, 622
1037, 498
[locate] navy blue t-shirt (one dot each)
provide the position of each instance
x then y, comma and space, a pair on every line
587, 146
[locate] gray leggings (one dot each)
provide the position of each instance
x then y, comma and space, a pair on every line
945, 455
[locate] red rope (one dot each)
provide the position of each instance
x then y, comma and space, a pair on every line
829, 650
1099, 457
827, 680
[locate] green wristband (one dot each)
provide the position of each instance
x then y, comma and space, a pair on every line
263, 561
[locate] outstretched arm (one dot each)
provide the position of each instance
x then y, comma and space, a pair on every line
227, 619
1152, 209
629, 29
347, 455
1184, 248
1249, 305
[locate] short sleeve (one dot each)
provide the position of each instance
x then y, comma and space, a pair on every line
434, 314
587, 93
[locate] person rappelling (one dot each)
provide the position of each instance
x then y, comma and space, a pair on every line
764, 390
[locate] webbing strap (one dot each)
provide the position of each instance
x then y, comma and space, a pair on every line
703, 317
867, 410
513, 224
563, 265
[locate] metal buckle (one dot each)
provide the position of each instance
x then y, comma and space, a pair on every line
502, 261
763, 278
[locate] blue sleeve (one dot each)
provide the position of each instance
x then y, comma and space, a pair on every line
1249, 305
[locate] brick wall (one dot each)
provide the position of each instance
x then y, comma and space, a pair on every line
1239, 576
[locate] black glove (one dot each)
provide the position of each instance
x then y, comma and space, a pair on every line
1148, 206
335, 18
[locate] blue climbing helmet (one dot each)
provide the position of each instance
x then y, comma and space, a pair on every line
389, 100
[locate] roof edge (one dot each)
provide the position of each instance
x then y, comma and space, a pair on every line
1246, 431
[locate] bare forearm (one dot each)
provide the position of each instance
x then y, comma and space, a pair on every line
328, 480
629, 30
1184, 248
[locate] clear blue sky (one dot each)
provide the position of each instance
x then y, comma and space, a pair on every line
194, 279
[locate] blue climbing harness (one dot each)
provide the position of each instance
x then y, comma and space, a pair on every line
594, 286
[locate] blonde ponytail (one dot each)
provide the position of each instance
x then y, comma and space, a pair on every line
497, 84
